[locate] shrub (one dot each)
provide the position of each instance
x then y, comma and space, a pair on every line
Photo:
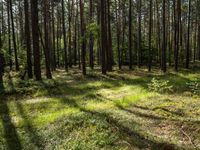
194, 87
158, 85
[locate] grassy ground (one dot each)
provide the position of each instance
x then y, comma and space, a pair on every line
117, 111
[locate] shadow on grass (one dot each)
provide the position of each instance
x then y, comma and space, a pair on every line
143, 115
137, 139
10, 133
33, 135
80, 85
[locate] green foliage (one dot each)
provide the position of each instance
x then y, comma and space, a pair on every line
194, 87
93, 29
158, 85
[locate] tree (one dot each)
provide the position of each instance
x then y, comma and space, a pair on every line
118, 35
164, 67
103, 37
28, 39
2, 61
83, 38
130, 36
9, 35
198, 39
109, 38
139, 32
188, 36
35, 38
91, 42
14, 37
64, 35
150, 36
47, 38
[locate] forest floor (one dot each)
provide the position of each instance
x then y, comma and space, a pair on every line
117, 111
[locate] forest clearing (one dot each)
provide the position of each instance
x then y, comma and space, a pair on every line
99, 74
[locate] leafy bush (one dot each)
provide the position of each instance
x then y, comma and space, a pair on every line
194, 87
158, 85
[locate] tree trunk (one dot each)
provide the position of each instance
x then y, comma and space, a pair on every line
1, 62
83, 43
130, 36
9, 35
164, 67
35, 37
28, 40
47, 38
103, 38
139, 33
150, 32
64, 35
188, 37
91, 42
14, 38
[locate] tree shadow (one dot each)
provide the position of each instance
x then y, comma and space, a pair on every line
137, 139
137, 113
33, 135
10, 132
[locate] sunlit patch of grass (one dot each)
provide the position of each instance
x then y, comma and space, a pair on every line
116, 111
131, 99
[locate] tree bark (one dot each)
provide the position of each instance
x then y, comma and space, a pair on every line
83, 43
28, 40
35, 38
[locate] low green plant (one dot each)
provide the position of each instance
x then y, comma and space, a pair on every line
158, 85
194, 87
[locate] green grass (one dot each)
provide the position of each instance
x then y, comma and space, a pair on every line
117, 111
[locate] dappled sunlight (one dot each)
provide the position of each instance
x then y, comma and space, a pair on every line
99, 110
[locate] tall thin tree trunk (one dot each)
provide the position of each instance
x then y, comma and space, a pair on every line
53, 37
1, 61
130, 36
64, 35
188, 36
9, 35
164, 67
139, 33
150, 38
91, 42
28, 39
103, 39
14, 38
83, 43
47, 38
35, 37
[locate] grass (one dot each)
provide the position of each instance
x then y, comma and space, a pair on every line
117, 111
